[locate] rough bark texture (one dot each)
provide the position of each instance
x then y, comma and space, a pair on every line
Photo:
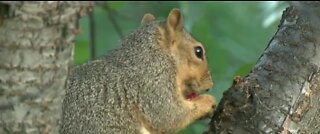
36, 49
282, 92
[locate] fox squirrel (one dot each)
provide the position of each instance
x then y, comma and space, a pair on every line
150, 85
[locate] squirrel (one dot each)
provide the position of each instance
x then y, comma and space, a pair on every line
152, 84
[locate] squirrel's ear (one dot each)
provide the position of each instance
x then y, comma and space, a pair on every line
147, 18
175, 20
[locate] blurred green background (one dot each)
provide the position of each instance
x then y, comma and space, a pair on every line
233, 33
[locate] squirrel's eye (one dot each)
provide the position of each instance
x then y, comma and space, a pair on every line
199, 52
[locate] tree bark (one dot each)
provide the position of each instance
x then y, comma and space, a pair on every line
282, 92
36, 50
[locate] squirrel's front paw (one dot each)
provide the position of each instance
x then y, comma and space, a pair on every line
205, 104
210, 105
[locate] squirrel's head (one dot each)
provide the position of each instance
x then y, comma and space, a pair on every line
189, 54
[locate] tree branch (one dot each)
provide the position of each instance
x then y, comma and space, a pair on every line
92, 35
113, 20
281, 93
36, 51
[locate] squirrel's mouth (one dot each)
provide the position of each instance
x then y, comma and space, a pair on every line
192, 94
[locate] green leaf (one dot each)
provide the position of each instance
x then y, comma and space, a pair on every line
116, 5
82, 53
244, 69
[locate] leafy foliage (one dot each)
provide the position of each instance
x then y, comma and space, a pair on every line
233, 33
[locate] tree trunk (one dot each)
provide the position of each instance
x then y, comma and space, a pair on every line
36, 50
282, 92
